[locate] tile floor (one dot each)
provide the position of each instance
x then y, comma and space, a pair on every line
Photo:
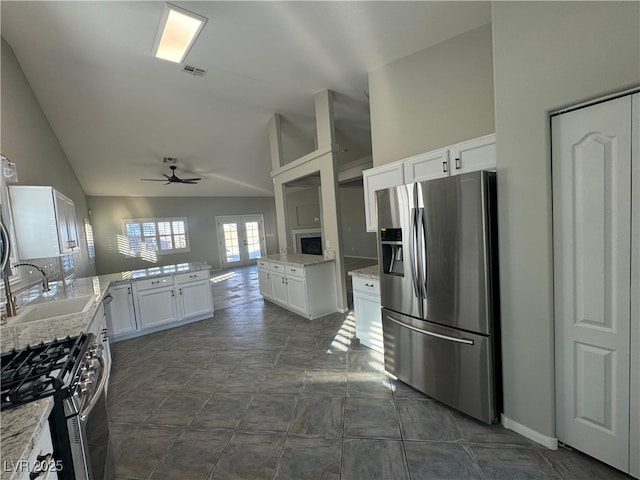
260, 393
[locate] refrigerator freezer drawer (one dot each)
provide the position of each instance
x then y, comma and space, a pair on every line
452, 366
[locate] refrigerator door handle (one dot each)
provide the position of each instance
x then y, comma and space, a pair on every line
466, 341
414, 253
422, 249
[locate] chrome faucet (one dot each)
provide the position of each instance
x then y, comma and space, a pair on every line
45, 280
11, 299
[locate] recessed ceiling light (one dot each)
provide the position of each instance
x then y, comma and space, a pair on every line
177, 32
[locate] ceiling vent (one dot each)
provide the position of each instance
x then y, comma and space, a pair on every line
169, 160
196, 72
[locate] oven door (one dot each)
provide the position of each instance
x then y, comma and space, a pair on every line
90, 437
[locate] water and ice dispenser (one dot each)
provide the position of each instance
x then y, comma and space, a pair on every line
392, 255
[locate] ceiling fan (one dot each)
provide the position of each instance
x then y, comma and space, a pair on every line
173, 178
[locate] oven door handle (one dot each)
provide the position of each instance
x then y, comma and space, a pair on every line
96, 395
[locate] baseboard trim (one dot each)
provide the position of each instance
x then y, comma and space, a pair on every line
549, 442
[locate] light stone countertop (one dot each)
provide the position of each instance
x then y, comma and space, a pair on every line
22, 425
21, 428
372, 272
297, 259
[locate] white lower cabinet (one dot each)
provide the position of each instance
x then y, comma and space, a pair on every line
194, 296
264, 279
154, 304
41, 464
366, 307
157, 306
122, 317
307, 290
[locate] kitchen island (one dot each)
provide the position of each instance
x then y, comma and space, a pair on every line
23, 427
302, 283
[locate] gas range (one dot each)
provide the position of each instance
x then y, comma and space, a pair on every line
74, 373
47, 369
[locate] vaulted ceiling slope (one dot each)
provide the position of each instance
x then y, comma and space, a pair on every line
118, 111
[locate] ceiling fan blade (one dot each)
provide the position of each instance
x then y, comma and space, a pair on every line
153, 179
167, 176
191, 179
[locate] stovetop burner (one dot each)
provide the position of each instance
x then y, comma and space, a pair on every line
39, 371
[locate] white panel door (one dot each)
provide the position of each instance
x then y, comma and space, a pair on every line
378, 178
592, 268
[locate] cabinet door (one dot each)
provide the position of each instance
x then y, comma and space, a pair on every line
121, 317
473, 155
72, 225
195, 300
427, 166
296, 294
377, 178
368, 320
278, 287
264, 280
157, 306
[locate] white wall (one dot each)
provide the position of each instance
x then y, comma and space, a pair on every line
108, 212
436, 97
546, 55
29, 141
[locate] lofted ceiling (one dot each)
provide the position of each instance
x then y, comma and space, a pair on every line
118, 111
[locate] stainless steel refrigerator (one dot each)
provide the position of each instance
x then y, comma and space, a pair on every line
437, 246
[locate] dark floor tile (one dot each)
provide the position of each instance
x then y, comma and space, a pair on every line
223, 410
371, 417
444, 461
269, 412
192, 456
142, 449
325, 383
179, 409
286, 380
571, 464
249, 456
310, 459
474, 431
136, 407
318, 416
373, 460
402, 390
427, 420
369, 385
365, 360
512, 463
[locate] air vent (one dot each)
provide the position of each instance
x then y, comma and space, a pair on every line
196, 72
170, 160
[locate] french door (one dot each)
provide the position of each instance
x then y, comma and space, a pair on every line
241, 239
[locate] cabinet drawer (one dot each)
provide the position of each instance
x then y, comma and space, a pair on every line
366, 285
263, 264
154, 283
192, 276
294, 271
276, 267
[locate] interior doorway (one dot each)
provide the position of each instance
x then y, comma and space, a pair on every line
241, 239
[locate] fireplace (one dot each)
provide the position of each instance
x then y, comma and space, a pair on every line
311, 245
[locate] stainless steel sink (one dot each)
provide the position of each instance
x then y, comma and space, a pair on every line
54, 308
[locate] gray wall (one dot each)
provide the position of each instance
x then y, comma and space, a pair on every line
546, 55
107, 214
356, 241
436, 97
28, 141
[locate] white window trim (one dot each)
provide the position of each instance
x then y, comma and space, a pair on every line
140, 221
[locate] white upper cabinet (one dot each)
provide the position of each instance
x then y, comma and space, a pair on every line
476, 154
45, 222
473, 155
378, 178
426, 166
